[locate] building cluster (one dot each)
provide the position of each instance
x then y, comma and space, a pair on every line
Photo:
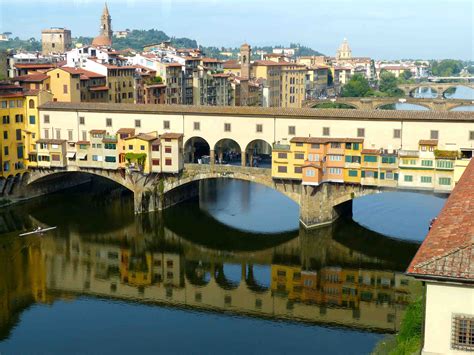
315, 160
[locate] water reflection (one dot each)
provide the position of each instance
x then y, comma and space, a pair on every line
339, 275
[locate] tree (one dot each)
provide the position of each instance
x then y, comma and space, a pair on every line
446, 67
389, 84
407, 75
358, 86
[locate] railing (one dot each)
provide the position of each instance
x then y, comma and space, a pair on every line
409, 153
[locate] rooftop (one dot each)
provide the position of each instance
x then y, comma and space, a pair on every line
428, 142
448, 250
383, 115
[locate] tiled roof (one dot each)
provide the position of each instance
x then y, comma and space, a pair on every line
428, 142
34, 65
171, 135
126, 130
83, 142
370, 151
391, 115
231, 64
97, 131
35, 78
448, 250
99, 88
324, 140
51, 141
143, 137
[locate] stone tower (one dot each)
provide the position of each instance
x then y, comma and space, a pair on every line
245, 53
106, 23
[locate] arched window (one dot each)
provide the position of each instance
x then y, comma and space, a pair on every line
31, 103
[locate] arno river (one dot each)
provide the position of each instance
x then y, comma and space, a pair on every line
229, 273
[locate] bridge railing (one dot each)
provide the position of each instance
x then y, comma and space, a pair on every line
205, 168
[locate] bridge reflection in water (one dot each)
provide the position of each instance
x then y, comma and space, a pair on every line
338, 275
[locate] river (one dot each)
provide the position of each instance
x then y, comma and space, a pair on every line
231, 272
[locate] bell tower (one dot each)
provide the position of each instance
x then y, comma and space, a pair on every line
245, 53
106, 23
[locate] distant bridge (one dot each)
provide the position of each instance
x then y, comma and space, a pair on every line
439, 87
372, 103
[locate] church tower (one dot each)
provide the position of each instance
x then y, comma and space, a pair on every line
245, 53
106, 23
344, 51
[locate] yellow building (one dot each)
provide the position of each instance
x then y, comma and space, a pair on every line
287, 280
269, 73
138, 151
293, 84
65, 84
352, 159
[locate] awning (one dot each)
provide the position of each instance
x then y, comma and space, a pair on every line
82, 156
71, 155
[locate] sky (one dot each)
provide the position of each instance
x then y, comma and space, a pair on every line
381, 29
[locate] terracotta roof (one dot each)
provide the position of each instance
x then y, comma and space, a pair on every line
171, 135
211, 60
97, 131
221, 75
428, 142
370, 151
72, 71
51, 141
90, 74
109, 140
83, 142
324, 140
231, 64
303, 113
143, 137
99, 88
34, 65
448, 250
34, 78
156, 86
173, 64
126, 130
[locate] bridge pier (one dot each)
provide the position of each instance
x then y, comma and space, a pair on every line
323, 204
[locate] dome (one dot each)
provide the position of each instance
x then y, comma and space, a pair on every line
101, 41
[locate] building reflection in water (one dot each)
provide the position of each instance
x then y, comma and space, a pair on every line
339, 275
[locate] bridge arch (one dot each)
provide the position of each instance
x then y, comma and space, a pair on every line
195, 148
392, 106
434, 91
258, 153
222, 280
339, 105
455, 86
252, 281
228, 151
198, 273
462, 107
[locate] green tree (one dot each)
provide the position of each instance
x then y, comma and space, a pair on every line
446, 67
358, 86
389, 84
407, 75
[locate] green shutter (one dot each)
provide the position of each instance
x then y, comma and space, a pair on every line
395, 176
362, 173
348, 159
382, 176
376, 175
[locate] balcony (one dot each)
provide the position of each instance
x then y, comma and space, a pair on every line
408, 153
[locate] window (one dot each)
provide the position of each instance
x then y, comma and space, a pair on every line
299, 156
64, 89
108, 146
138, 123
82, 120
408, 178
315, 146
84, 135
282, 155
353, 173
397, 133
463, 333
197, 126
427, 163
58, 134
32, 119
370, 158
298, 170
166, 125
46, 134
31, 103
310, 172
108, 122
5, 150
4, 104
46, 118
313, 157
142, 147
6, 119
95, 158
109, 159
167, 149
227, 127
18, 134
18, 118
434, 134
336, 145
11, 104
360, 132
155, 162
282, 169
444, 164
19, 152
335, 171
426, 179
155, 147
335, 157
326, 131
389, 160
259, 128
291, 130
168, 161
471, 135
5, 134
69, 135
444, 181
55, 157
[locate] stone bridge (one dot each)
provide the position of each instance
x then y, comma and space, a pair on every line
372, 103
439, 87
319, 205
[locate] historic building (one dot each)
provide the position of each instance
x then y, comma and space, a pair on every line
104, 39
55, 40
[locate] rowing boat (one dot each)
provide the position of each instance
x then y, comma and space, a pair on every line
38, 230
